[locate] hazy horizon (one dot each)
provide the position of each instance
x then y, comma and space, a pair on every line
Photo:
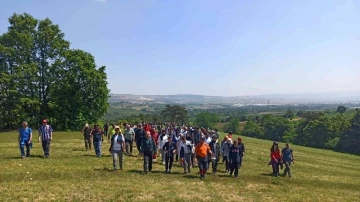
237, 48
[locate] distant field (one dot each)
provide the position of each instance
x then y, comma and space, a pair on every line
72, 174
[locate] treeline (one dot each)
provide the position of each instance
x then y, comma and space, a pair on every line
41, 77
315, 129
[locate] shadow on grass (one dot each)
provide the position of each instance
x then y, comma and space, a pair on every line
78, 149
223, 176
267, 174
191, 177
104, 169
31, 156
93, 155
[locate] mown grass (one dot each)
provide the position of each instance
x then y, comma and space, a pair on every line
72, 174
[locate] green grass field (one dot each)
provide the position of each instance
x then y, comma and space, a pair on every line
72, 174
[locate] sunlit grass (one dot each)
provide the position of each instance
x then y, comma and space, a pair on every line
72, 174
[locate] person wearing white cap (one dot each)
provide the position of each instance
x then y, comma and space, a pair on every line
117, 148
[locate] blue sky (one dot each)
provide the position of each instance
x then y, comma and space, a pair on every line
212, 47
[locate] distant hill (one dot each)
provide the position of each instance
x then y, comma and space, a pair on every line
239, 100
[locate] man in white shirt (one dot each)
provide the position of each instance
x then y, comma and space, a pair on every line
163, 138
117, 148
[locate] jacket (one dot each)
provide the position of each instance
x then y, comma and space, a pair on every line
215, 148
169, 149
235, 154
225, 148
148, 145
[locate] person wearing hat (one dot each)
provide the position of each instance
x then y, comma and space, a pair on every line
163, 138
215, 149
86, 131
202, 150
225, 150
98, 138
275, 158
24, 139
117, 148
45, 135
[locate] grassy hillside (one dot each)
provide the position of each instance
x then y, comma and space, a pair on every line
72, 174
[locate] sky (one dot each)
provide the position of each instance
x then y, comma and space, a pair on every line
211, 47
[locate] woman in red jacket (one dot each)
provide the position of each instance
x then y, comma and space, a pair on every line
155, 136
275, 158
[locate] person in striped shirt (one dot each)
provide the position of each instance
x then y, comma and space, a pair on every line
45, 135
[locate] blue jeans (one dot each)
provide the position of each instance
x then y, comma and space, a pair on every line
97, 147
22, 148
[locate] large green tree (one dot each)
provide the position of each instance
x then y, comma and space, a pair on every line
41, 77
350, 140
206, 120
175, 114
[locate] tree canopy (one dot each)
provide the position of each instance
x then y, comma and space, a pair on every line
41, 77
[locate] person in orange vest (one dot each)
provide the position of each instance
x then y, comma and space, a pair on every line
202, 150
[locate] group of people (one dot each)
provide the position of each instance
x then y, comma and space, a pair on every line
25, 137
191, 146
184, 144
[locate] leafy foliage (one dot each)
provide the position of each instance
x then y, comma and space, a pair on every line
42, 78
206, 120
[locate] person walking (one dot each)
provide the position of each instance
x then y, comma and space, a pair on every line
163, 138
25, 139
275, 158
185, 154
215, 149
169, 149
117, 148
86, 131
45, 136
241, 144
139, 136
235, 158
202, 150
98, 138
106, 129
148, 148
129, 135
225, 150
288, 158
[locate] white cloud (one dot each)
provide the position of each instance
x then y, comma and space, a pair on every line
102, 1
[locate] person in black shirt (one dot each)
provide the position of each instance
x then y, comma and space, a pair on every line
139, 135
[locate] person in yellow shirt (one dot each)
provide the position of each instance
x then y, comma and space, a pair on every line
202, 150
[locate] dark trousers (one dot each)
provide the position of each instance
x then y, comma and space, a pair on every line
235, 168
177, 157
226, 161
203, 165
87, 143
168, 162
27, 145
148, 159
46, 147
192, 159
275, 167
138, 144
129, 146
